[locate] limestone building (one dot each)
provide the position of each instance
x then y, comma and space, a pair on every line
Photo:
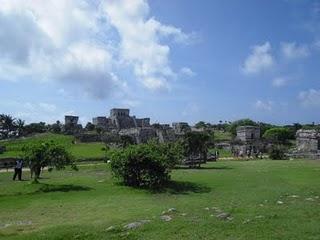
119, 119
71, 120
308, 141
248, 140
248, 133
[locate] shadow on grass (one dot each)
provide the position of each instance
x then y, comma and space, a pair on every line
179, 187
46, 188
205, 168
172, 187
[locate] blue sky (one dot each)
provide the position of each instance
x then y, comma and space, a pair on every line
171, 60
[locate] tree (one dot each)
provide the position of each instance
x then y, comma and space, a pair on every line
35, 128
200, 124
277, 153
48, 155
90, 126
56, 127
144, 165
278, 135
20, 126
7, 124
196, 147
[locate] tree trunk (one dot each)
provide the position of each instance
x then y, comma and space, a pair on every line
36, 171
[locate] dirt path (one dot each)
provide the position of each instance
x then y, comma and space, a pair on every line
28, 169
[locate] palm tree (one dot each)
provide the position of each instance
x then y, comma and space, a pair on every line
20, 126
7, 124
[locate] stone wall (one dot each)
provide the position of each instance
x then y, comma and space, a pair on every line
71, 120
248, 133
140, 135
308, 141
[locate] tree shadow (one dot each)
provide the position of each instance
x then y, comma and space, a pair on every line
204, 168
181, 187
46, 188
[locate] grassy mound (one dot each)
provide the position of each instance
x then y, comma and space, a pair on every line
81, 151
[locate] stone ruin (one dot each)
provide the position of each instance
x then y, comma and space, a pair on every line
308, 141
307, 144
120, 119
248, 141
71, 125
120, 123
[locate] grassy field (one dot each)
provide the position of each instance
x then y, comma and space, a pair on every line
79, 150
265, 200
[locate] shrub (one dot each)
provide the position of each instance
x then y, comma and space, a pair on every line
144, 165
48, 155
277, 153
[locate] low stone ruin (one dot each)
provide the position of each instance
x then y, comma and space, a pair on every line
307, 144
247, 142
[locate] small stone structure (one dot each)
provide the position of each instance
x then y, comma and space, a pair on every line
248, 133
248, 141
308, 141
71, 125
71, 120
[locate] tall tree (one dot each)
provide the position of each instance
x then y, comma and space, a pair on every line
7, 124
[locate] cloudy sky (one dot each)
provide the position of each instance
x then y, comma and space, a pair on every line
171, 60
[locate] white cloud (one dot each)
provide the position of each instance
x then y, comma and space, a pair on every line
259, 60
265, 106
140, 43
73, 41
317, 44
187, 72
279, 82
292, 50
310, 98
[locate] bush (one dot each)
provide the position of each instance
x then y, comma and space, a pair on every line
277, 153
144, 165
47, 154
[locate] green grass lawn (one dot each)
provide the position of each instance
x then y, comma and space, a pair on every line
79, 150
84, 204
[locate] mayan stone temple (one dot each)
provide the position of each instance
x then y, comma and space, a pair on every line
121, 123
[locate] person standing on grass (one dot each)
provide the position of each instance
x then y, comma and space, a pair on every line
18, 170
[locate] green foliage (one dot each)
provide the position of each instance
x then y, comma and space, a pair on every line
232, 128
48, 155
278, 135
144, 165
56, 127
90, 126
195, 145
277, 152
35, 128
